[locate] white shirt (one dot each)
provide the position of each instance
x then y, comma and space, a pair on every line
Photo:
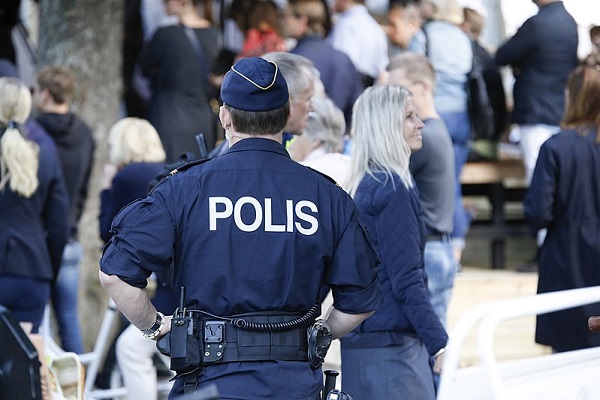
335, 165
357, 34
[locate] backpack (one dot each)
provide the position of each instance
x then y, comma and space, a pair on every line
481, 113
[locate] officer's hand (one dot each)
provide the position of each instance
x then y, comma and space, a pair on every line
166, 327
438, 363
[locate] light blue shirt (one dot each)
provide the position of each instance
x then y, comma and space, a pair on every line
357, 34
451, 54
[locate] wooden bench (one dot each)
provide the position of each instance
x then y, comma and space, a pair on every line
500, 181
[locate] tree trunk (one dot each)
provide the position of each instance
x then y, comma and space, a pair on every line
86, 36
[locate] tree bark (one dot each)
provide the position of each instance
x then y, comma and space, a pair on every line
86, 36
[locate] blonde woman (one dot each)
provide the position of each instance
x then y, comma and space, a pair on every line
136, 157
33, 210
388, 355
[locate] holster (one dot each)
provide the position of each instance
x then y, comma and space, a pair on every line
182, 344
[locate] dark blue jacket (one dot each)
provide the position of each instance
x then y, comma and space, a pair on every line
339, 76
564, 197
542, 53
34, 230
392, 214
250, 231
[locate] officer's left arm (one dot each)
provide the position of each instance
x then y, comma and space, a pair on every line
352, 275
342, 323
133, 302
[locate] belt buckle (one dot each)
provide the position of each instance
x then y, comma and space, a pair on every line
214, 346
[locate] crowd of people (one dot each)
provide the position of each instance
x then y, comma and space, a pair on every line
372, 231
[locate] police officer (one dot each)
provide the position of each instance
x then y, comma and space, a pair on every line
252, 236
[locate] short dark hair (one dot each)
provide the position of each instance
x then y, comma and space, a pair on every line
259, 122
59, 81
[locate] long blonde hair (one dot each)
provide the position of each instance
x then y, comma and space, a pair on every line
18, 156
378, 135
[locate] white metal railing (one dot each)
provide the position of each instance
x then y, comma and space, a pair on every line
492, 375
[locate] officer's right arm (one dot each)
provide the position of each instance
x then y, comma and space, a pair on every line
342, 323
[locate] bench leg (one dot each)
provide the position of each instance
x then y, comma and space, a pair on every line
498, 254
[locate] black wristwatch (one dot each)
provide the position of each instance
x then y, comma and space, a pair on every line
155, 328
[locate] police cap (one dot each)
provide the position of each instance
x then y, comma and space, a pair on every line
254, 84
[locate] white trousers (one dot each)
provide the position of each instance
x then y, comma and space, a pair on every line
532, 138
135, 357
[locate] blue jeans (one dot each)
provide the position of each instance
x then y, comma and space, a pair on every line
398, 372
65, 299
459, 127
441, 268
25, 298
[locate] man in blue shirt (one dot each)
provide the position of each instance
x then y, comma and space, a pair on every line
542, 53
305, 22
250, 235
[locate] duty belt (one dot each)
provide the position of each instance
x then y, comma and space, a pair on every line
223, 341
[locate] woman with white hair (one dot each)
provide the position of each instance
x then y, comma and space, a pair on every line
33, 211
388, 355
320, 145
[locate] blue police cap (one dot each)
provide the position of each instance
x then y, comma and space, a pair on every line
254, 84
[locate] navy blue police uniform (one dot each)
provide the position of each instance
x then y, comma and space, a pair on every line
250, 231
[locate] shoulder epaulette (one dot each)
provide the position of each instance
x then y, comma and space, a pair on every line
173, 169
187, 165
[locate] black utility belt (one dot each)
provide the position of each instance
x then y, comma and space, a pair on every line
224, 342
198, 340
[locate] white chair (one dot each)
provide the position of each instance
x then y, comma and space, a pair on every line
93, 360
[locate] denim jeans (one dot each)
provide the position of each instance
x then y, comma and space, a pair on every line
397, 372
459, 128
65, 298
441, 268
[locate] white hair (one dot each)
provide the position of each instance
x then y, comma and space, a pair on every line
134, 140
326, 124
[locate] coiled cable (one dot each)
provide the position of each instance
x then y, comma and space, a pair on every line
242, 324
307, 318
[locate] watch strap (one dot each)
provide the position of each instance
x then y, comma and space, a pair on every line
152, 331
